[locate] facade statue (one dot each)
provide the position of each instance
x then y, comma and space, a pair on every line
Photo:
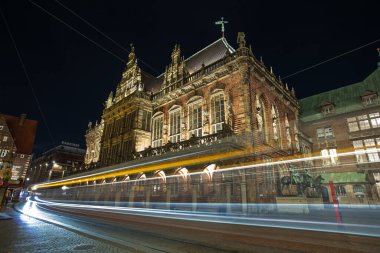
241, 39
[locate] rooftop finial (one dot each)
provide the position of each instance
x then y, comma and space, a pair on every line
221, 23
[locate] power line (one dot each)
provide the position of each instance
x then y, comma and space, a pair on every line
102, 33
331, 59
27, 76
75, 30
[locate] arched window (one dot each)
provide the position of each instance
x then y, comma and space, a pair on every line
140, 183
207, 179
217, 112
158, 182
180, 180
157, 130
175, 125
195, 118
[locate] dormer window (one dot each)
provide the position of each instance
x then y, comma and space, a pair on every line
327, 108
369, 98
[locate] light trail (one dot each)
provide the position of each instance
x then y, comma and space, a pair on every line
287, 221
158, 165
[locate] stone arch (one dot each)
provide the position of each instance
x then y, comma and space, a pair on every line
182, 176
207, 179
158, 182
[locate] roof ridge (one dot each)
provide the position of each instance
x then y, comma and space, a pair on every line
229, 47
363, 82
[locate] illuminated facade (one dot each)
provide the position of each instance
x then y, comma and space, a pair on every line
93, 139
55, 163
219, 99
17, 136
347, 119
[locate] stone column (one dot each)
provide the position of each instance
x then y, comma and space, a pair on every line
194, 196
243, 186
168, 195
117, 198
228, 196
147, 196
131, 196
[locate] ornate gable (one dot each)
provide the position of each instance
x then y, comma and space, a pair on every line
176, 70
131, 78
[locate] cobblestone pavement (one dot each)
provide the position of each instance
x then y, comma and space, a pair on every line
24, 234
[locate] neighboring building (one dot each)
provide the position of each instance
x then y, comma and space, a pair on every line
200, 102
341, 120
60, 161
17, 135
93, 139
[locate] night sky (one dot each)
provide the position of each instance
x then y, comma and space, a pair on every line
72, 77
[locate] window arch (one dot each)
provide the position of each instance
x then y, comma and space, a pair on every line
158, 119
159, 181
195, 116
175, 124
217, 112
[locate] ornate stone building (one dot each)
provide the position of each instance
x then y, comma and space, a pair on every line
345, 120
218, 100
93, 139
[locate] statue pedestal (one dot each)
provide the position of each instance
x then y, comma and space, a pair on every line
292, 205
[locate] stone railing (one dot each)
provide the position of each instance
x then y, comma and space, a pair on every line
193, 142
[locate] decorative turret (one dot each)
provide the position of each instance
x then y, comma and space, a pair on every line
176, 70
131, 77
109, 100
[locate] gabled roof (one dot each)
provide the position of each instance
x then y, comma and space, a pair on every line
345, 99
209, 54
23, 135
213, 52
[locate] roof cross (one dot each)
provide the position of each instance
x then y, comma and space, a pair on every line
221, 23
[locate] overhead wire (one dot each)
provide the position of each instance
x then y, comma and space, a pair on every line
331, 59
105, 35
76, 30
27, 77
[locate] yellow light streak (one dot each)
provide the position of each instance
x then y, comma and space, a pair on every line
192, 161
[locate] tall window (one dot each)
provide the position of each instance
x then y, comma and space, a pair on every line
129, 120
352, 124
175, 125
372, 154
375, 119
146, 118
330, 156
364, 122
325, 132
361, 157
217, 113
157, 131
195, 119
